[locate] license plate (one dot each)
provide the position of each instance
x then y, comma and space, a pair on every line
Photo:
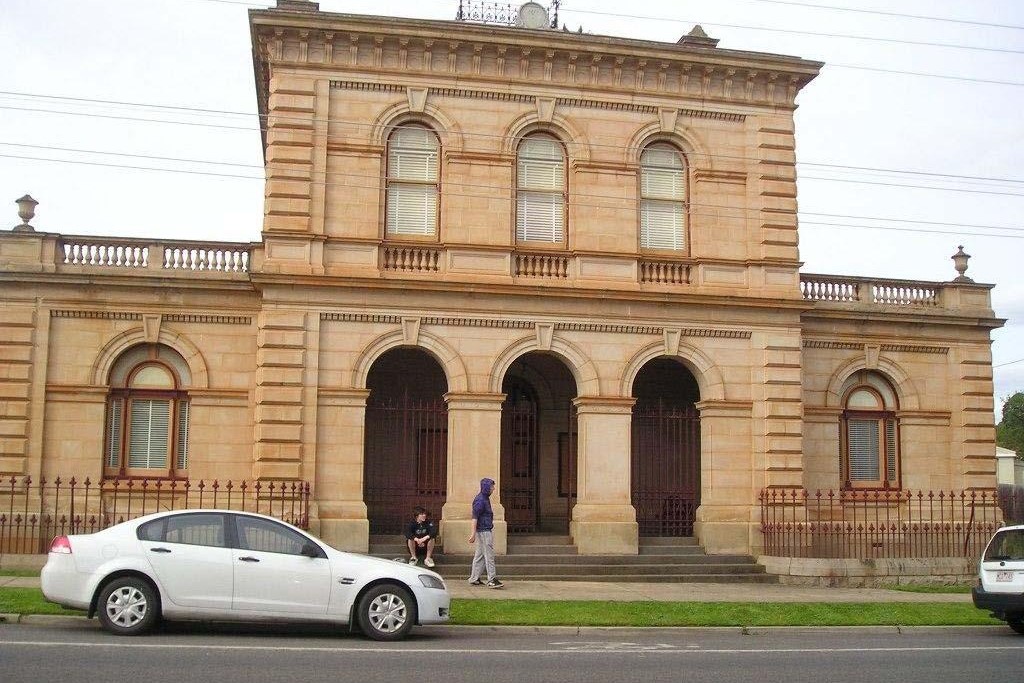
1004, 576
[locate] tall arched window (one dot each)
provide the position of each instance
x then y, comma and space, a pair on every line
870, 433
662, 198
147, 414
540, 190
412, 185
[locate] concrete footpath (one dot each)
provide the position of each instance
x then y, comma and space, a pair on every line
663, 592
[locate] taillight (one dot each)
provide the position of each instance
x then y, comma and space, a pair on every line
61, 545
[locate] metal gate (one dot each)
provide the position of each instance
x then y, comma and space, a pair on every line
405, 460
666, 469
519, 458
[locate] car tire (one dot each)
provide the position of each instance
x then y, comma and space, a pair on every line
1017, 624
128, 606
386, 612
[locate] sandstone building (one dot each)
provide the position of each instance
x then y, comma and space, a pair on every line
568, 262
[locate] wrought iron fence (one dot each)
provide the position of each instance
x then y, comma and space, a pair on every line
33, 512
877, 524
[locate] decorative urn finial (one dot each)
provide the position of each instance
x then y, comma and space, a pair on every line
960, 263
26, 212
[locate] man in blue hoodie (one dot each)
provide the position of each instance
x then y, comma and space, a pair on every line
483, 529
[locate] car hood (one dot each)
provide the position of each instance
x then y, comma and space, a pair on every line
379, 565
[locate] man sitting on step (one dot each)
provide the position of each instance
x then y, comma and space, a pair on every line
420, 535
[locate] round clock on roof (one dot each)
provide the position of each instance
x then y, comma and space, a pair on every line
533, 15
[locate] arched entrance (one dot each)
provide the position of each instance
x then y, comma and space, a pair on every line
406, 440
665, 449
538, 445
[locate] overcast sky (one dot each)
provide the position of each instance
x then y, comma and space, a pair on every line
856, 115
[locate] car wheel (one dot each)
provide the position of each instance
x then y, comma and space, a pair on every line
387, 612
1017, 624
128, 606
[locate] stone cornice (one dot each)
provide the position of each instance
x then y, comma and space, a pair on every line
533, 58
859, 346
167, 317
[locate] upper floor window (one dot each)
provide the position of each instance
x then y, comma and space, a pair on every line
870, 433
662, 198
540, 190
147, 414
412, 182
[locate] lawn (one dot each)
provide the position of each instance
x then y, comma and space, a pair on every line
641, 614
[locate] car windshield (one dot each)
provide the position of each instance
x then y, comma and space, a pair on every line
1006, 545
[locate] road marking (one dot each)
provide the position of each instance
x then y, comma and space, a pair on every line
121, 645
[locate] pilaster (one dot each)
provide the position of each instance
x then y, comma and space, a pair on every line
975, 432
341, 428
280, 366
604, 519
17, 398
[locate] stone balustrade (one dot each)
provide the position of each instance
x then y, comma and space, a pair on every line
861, 290
131, 254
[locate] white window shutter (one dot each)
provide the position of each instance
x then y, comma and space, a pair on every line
890, 449
114, 432
182, 439
862, 446
663, 196
540, 198
149, 436
412, 195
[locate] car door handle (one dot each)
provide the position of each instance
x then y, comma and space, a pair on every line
159, 550
248, 559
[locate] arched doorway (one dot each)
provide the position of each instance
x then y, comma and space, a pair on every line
538, 445
665, 449
406, 440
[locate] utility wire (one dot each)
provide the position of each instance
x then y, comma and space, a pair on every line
631, 208
361, 124
900, 15
487, 189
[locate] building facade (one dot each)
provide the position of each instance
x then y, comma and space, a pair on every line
566, 262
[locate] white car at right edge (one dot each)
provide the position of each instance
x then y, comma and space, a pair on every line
1000, 587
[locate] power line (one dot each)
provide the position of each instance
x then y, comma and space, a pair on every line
630, 208
1012, 362
479, 186
901, 15
197, 110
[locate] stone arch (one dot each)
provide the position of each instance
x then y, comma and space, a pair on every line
448, 358
447, 128
576, 143
582, 368
709, 377
169, 337
698, 156
906, 390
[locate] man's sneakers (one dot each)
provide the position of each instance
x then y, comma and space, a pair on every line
429, 562
412, 560
494, 583
476, 582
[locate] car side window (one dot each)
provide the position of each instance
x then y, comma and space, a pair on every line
1007, 545
152, 531
263, 535
192, 529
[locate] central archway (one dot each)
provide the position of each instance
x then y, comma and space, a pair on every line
538, 445
665, 449
406, 440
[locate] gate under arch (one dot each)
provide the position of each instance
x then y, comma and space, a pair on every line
665, 449
406, 439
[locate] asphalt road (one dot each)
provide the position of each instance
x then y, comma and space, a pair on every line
82, 653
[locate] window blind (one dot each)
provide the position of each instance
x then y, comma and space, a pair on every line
862, 443
540, 199
890, 449
412, 209
182, 440
663, 195
149, 433
114, 409
412, 192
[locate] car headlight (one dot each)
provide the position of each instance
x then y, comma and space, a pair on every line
431, 582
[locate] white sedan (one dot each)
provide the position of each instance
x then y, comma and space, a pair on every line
220, 565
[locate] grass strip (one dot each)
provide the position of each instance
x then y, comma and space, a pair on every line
641, 614
647, 614
19, 572
950, 588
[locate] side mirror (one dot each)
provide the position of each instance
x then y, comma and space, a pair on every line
310, 550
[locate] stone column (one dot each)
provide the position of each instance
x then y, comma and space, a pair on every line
728, 516
604, 519
338, 488
474, 452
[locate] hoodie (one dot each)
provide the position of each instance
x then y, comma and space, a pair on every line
482, 512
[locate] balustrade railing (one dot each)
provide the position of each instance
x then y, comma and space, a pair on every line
877, 524
864, 290
414, 259
114, 253
664, 272
33, 512
542, 266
